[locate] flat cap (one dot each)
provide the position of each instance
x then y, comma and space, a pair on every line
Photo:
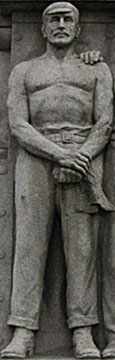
58, 7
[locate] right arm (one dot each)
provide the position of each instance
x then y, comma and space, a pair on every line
28, 137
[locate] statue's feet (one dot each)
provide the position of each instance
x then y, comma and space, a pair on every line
83, 344
22, 344
109, 351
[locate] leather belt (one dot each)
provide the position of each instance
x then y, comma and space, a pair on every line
65, 136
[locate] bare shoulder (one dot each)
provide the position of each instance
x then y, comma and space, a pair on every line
20, 70
99, 67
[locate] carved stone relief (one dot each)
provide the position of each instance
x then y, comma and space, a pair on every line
21, 40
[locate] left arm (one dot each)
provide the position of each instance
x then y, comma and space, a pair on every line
102, 112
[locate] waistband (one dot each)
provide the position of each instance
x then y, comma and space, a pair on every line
66, 136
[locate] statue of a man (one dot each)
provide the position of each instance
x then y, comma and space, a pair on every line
60, 111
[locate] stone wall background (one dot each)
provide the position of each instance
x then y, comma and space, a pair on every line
21, 39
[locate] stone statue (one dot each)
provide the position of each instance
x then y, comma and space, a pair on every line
60, 111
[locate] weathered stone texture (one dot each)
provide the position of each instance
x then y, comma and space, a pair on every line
5, 196
25, 41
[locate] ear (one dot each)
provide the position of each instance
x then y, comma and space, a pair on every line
78, 30
43, 31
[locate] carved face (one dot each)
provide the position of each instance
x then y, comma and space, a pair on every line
60, 29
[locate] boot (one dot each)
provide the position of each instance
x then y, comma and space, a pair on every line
109, 351
22, 344
83, 344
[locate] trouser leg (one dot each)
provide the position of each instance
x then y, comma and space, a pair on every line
80, 247
34, 216
108, 270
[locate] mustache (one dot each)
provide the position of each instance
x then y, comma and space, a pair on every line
61, 33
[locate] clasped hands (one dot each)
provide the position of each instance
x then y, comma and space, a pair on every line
72, 167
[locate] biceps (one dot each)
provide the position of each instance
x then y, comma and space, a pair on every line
18, 110
103, 104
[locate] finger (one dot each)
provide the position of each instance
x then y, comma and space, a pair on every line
91, 57
94, 57
87, 59
97, 56
82, 56
83, 159
86, 156
56, 176
101, 59
84, 165
62, 177
78, 168
68, 171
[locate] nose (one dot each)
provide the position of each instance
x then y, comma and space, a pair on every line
61, 23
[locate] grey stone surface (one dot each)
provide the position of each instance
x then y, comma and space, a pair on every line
5, 186
5, 21
8, 6
54, 335
42, 186
5, 37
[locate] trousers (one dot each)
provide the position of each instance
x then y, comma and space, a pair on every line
108, 270
38, 196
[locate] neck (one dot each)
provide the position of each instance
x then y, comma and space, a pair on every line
60, 52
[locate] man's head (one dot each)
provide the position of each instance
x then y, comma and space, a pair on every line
61, 23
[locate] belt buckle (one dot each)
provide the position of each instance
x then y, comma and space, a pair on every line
66, 137
56, 137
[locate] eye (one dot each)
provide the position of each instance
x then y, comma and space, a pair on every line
54, 19
68, 19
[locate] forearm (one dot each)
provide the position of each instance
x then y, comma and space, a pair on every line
97, 139
35, 143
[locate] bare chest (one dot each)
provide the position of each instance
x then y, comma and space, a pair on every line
68, 77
